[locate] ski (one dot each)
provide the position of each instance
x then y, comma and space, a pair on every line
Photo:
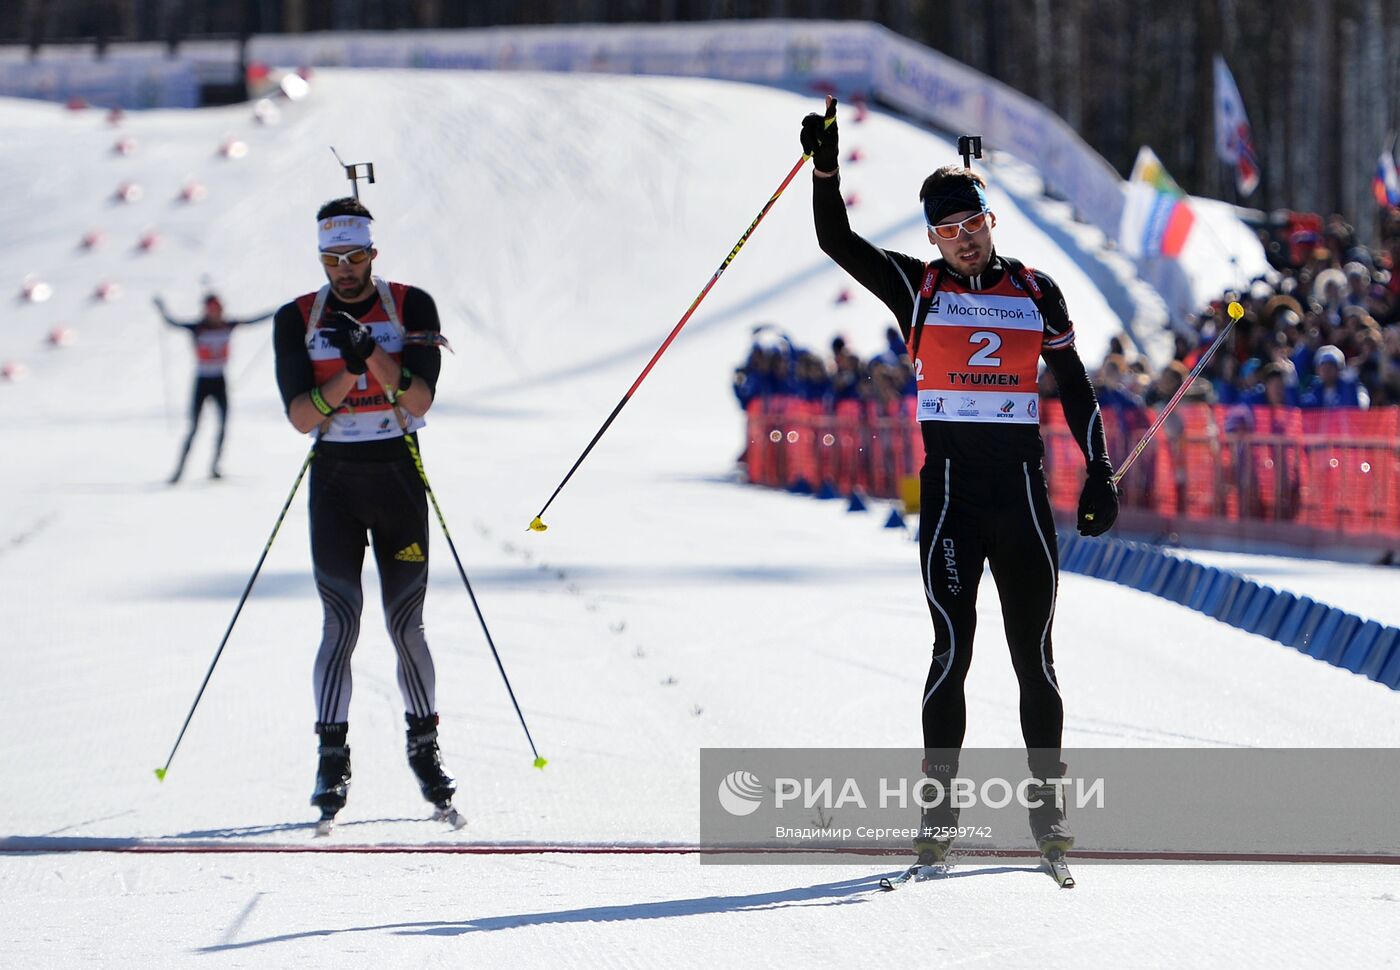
918, 872
890, 885
1055, 864
1053, 861
326, 825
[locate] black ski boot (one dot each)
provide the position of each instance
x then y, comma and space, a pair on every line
333, 772
937, 824
436, 783
1048, 824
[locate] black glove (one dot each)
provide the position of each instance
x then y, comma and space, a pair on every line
1098, 502
821, 142
352, 338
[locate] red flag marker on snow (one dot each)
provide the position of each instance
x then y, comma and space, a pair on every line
34, 290
61, 336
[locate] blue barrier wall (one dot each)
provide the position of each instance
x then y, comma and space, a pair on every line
1321, 631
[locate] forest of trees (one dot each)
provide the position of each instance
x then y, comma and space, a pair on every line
1320, 78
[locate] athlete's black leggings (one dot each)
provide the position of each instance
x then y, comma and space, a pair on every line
205, 388
1002, 516
385, 499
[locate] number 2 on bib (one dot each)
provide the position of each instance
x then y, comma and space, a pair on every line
990, 344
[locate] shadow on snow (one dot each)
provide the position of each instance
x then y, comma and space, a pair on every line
842, 893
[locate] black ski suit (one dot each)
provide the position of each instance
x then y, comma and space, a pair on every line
984, 497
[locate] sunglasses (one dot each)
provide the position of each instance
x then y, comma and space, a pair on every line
354, 257
971, 225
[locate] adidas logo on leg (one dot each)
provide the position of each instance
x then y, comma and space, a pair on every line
411, 553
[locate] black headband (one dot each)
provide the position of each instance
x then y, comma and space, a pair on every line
962, 195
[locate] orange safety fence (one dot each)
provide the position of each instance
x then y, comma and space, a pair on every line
863, 447
1330, 470
1334, 470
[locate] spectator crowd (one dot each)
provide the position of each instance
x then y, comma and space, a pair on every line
777, 367
1321, 330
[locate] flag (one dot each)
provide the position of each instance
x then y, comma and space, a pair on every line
1386, 183
1156, 217
1233, 141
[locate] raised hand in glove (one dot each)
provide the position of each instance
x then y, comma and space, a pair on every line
820, 140
352, 338
1098, 502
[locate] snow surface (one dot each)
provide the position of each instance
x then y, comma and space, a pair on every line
563, 225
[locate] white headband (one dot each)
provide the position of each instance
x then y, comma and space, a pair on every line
343, 231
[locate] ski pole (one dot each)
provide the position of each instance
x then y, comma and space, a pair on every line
160, 772
418, 463
537, 524
1236, 311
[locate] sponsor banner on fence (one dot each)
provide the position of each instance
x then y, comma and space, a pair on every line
119, 81
844, 805
772, 52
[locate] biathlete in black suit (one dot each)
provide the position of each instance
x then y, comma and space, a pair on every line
977, 324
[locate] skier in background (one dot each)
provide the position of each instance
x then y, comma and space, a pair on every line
358, 362
976, 325
211, 334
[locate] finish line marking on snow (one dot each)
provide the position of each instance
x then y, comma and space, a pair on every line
48, 845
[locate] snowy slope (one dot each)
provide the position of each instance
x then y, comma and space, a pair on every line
563, 225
